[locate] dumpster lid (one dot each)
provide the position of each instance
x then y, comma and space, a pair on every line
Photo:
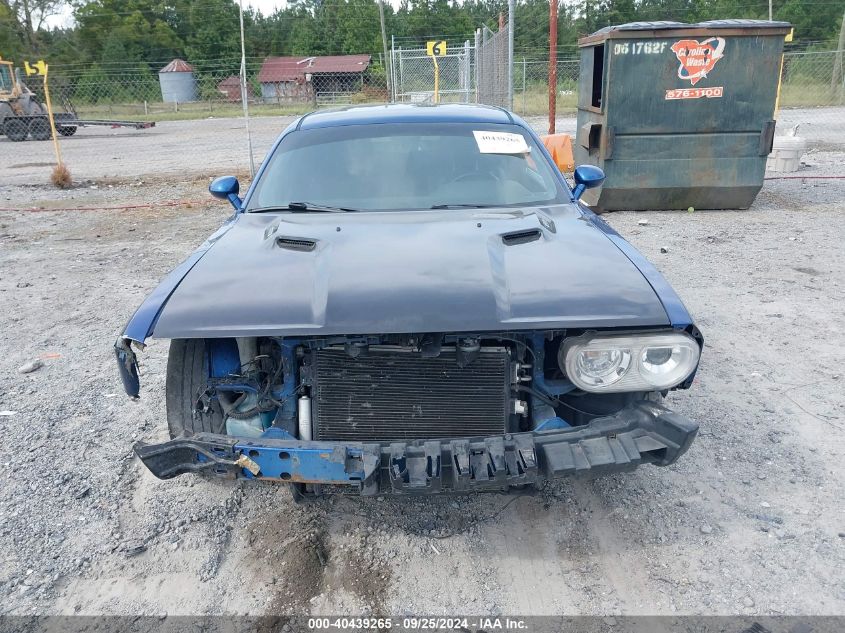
669, 29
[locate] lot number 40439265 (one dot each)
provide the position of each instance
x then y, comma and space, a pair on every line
638, 48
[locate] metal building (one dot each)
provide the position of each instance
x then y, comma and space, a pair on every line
324, 79
177, 82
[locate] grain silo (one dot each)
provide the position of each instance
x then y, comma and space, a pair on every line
177, 82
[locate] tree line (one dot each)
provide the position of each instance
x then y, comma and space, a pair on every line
147, 33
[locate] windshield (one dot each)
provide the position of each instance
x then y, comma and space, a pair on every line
407, 166
5, 78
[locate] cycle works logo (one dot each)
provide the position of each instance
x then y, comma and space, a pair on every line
696, 60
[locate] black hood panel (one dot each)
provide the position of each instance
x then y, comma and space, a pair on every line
408, 272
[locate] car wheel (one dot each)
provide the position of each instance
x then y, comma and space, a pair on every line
6, 112
15, 128
187, 379
39, 129
67, 130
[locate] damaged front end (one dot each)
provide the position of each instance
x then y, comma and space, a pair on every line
408, 414
641, 433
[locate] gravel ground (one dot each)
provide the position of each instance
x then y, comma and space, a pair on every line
750, 521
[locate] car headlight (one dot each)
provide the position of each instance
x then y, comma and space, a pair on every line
648, 362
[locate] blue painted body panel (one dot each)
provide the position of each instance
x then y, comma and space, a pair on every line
224, 357
677, 312
141, 324
303, 462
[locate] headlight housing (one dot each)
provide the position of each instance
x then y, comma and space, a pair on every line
646, 362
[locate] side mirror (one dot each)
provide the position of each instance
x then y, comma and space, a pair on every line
226, 188
586, 177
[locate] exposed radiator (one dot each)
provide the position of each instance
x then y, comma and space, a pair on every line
395, 394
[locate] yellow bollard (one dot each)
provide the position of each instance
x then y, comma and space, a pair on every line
436, 79
50, 117
61, 174
435, 49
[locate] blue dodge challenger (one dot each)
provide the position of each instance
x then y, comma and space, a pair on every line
411, 300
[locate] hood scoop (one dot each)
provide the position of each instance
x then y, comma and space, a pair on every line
296, 243
521, 237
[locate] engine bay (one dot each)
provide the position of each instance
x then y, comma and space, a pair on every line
394, 387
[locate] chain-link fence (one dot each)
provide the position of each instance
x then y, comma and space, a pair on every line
413, 70
812, 79
809, 80
472, 71
531, 86
492, 68
274, 85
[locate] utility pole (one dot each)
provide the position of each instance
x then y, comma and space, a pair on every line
384, 45
244, 99
552, 64
770, 10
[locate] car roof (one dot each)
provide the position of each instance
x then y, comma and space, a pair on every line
405, 113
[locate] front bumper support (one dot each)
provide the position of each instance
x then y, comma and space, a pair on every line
644, 432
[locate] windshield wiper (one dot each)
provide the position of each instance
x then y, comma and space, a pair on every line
303, 207
461, 206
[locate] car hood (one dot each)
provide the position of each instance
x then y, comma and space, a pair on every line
409, 272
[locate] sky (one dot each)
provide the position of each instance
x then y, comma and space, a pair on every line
267, 7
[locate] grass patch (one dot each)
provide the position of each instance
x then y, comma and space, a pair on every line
810, 95
535, 101
186, 111
61, 177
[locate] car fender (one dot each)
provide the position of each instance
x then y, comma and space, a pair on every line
142, 323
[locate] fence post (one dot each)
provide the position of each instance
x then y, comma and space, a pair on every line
552, 64
477, 62
392, 69
524, 67
383, 42
838, 68
511, 11
401, 70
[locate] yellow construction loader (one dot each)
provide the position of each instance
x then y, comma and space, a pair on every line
22, 116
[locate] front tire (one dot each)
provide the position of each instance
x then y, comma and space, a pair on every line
39, 129
16, 129
187, 380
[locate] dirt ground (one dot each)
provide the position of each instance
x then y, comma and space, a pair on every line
750, 521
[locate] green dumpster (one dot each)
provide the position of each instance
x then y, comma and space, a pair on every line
679, 115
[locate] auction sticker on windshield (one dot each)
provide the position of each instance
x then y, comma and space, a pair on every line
501, 143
